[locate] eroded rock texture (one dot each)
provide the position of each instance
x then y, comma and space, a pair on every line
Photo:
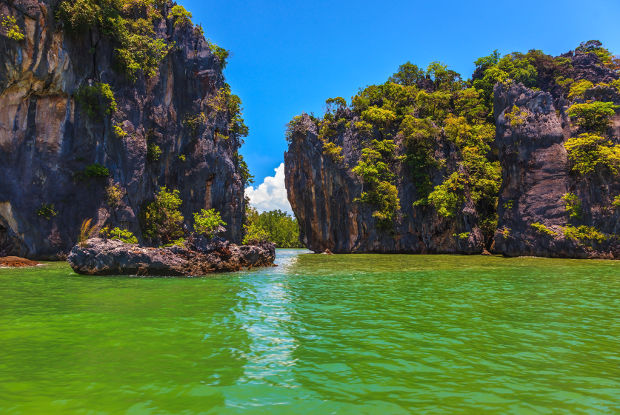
536, 175
112, 257
47, 138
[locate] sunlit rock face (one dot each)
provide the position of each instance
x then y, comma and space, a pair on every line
322, 194
536, 176
47, 138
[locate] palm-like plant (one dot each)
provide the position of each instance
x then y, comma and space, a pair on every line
86, 232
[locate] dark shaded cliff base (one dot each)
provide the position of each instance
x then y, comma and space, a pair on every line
16, 262
112, 257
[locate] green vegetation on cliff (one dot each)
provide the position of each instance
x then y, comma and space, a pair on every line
431, 134
418, 111
10, 28
163, 221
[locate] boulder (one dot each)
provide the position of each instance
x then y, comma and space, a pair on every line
112, 257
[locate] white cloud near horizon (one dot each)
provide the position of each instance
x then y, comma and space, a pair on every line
270, 194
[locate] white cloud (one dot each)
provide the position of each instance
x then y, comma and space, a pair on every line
270, 194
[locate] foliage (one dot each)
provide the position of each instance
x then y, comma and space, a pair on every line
47, 211
616, 202
163, 220
448, 196
208, 223
463, 235
177, 242
584, 233
11, 28
86, 232
120, 234
573, 205
375, 168
293, 127
97, 99
588, 152
220, 53
379, 117
542, 229
593, 116
335, 104
114, 194
579, 88
95, 171
408, 74
180, 16
516, 116
194, 123
596, 47
227, 104
181, 158
244, 170
255, 234
119, 132
275, 226
333, 151
129, 23
514, 67
220, 136
508, 204
419, 139
153, 152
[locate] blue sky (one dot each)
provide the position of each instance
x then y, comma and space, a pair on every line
289, 56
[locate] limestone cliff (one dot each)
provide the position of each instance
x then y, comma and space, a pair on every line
534, 212
541, 204
323, 196
60, 158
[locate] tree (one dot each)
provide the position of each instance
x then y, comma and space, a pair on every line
163, 221
593, 116
208, 223
275, 226
588, 152
408, 74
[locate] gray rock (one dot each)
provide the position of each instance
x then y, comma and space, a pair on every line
322, 194
112, 257
536, 175
47, 139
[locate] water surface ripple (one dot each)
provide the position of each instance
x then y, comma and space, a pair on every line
342, 334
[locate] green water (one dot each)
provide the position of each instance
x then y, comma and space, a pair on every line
319, 334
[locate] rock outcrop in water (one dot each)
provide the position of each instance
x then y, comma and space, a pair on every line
16, 262
112, 257
541, 204
323, 195
64, 147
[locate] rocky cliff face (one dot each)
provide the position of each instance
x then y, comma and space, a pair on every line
323, 194
532, 212
536, 177
169, 129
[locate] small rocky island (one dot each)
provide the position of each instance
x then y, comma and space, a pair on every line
99, 256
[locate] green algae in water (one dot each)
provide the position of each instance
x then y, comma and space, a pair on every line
346, 334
